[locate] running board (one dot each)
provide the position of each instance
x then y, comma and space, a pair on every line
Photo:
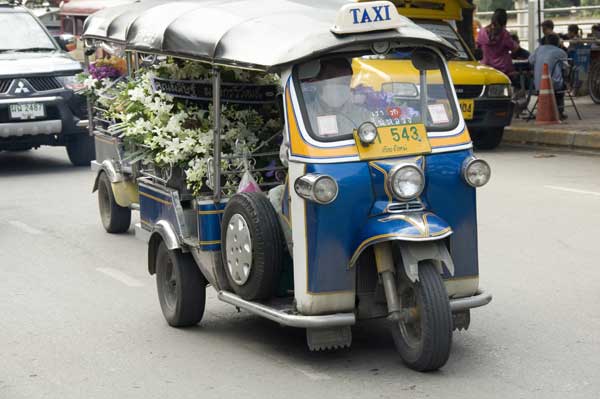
285, 316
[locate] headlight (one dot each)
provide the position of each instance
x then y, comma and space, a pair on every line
70, 82
498, 91
367, 133
317, 188
476, 172
406, 181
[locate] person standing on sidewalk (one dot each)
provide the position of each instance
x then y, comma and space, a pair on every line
550, 53
496, 44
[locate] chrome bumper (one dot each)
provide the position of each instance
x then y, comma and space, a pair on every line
15, 129
288, 319
481, 298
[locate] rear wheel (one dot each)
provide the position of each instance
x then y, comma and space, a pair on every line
594, 82
487, 139
81, 149
425, 340
115, 218
181, 287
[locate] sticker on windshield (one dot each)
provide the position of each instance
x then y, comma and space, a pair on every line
327, 125
438, 114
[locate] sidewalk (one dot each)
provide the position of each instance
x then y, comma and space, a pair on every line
572, 133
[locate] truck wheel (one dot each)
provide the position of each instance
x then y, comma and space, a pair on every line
425, 340
115, 218
181, 287
81, 149
487, 139
252, 246
594, 82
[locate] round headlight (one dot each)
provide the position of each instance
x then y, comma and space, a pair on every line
477, 172
325, 190
367, 133
407, 182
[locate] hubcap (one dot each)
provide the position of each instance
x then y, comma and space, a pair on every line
411, 329
238, 245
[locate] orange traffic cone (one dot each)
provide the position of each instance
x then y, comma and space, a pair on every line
547, 113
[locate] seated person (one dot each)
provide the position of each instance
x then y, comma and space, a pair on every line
520, 53
550, 53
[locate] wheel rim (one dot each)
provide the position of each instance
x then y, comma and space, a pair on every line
410, 330
104, 203
238, 246
169, 283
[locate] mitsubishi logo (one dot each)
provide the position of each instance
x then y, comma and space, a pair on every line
21, 88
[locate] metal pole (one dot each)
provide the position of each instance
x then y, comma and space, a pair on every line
88, 100
217, 133
531, 30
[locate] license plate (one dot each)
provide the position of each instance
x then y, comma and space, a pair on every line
395, 141
26, 111
467, 107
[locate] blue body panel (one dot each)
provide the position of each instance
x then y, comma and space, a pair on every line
335, 232
156, 205
210, 217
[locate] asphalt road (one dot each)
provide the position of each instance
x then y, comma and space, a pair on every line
79, 315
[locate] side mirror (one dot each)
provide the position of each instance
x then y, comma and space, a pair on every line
424, 60
67, 42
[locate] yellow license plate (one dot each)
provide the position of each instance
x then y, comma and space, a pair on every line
467, 107
395, 141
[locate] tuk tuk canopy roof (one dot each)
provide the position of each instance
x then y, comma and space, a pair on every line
87, 7
259, 34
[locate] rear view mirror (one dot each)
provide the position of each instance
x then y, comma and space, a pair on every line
67, 42
424, 60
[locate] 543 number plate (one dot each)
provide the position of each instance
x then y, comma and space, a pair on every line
395, 141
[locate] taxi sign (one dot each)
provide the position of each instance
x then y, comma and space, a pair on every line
366, 17
395, 141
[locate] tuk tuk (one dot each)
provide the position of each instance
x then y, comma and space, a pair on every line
484, 93
367, 208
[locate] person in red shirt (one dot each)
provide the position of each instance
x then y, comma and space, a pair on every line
496, 43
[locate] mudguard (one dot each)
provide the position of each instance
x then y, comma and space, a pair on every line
409, 227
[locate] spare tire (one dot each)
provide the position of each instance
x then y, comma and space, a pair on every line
251, 246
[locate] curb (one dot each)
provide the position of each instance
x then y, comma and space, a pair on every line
580, 139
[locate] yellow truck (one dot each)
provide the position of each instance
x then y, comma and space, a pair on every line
484, 93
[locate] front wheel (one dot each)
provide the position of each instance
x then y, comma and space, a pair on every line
425, 340
487, 139
594, 82
81, 149
115, 218
181, 287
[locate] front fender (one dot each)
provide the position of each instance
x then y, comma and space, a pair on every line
107, 166
413, 227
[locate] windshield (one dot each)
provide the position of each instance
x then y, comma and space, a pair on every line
340, 94
21, 32
451, 36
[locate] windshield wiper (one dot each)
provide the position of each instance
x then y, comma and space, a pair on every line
32, 49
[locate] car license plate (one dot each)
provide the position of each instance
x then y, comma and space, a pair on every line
467, 107
26, 111
395, 141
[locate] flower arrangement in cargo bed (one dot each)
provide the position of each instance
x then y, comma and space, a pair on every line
171, 132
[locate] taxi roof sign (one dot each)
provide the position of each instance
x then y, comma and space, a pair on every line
367, 17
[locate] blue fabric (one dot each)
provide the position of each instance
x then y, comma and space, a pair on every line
551, 55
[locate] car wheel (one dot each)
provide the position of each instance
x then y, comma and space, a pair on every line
487, 139
81, 149
252, 246
181, 287
424, 342
115, 218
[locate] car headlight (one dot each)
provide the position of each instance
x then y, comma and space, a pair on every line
498, 91
367, 133
318, 188
70, 82
406, 182
476, 172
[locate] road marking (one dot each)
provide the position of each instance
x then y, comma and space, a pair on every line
573, 190
120, 276
312, 375
25, 227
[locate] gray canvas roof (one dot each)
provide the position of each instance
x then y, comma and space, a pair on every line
262, 34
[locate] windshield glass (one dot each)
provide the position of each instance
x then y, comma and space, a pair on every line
20, 32
340, 94
446, 31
